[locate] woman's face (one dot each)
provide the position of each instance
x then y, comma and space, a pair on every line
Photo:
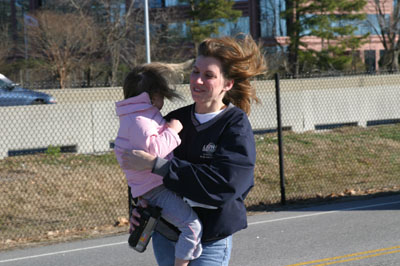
207, 84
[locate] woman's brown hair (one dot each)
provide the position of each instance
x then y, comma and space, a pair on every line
241, 59
153, 78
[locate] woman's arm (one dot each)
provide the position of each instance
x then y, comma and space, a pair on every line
137, 160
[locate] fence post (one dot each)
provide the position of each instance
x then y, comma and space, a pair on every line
280, 139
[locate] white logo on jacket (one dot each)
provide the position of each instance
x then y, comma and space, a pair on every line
208, 150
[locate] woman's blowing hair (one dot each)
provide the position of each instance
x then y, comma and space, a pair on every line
153, 78
241, 59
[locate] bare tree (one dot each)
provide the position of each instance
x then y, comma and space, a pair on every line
167, 44
271, 11
388, 30
63, 41
122, 32
6, 46
116, 21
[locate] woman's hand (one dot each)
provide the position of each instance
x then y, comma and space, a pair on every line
132, 221
137, 160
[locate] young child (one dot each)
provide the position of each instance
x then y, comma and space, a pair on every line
142, 127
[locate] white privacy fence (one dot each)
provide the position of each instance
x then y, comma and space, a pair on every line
84, 120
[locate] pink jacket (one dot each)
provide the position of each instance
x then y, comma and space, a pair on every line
142, 127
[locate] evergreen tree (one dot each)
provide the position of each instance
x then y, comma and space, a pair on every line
332, 22
208, 16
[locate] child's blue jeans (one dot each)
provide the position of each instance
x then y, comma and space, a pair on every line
215, 253
180, 214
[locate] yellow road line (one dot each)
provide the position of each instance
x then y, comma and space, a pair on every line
350, 255
358, 258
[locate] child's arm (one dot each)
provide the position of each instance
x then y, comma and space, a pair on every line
159, 144
163, 144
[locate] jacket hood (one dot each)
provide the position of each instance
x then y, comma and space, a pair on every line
140, 102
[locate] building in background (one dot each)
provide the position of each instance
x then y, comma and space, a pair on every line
260, 18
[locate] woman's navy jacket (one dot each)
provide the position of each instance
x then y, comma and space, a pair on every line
214, 165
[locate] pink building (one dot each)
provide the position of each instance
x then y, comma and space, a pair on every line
372, 50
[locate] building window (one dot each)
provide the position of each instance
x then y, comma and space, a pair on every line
370, 25
370, 60
229, 28
5, 12
270, 20
242, 25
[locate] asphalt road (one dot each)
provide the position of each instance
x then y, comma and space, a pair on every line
357, 232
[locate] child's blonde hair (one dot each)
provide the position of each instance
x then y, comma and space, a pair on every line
153, 78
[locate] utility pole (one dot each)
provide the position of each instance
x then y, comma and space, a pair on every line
147, 30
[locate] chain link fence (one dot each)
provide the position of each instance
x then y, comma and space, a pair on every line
59, 177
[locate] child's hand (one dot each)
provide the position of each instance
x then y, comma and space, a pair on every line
175, 125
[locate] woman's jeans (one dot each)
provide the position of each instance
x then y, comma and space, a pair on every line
216, 253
